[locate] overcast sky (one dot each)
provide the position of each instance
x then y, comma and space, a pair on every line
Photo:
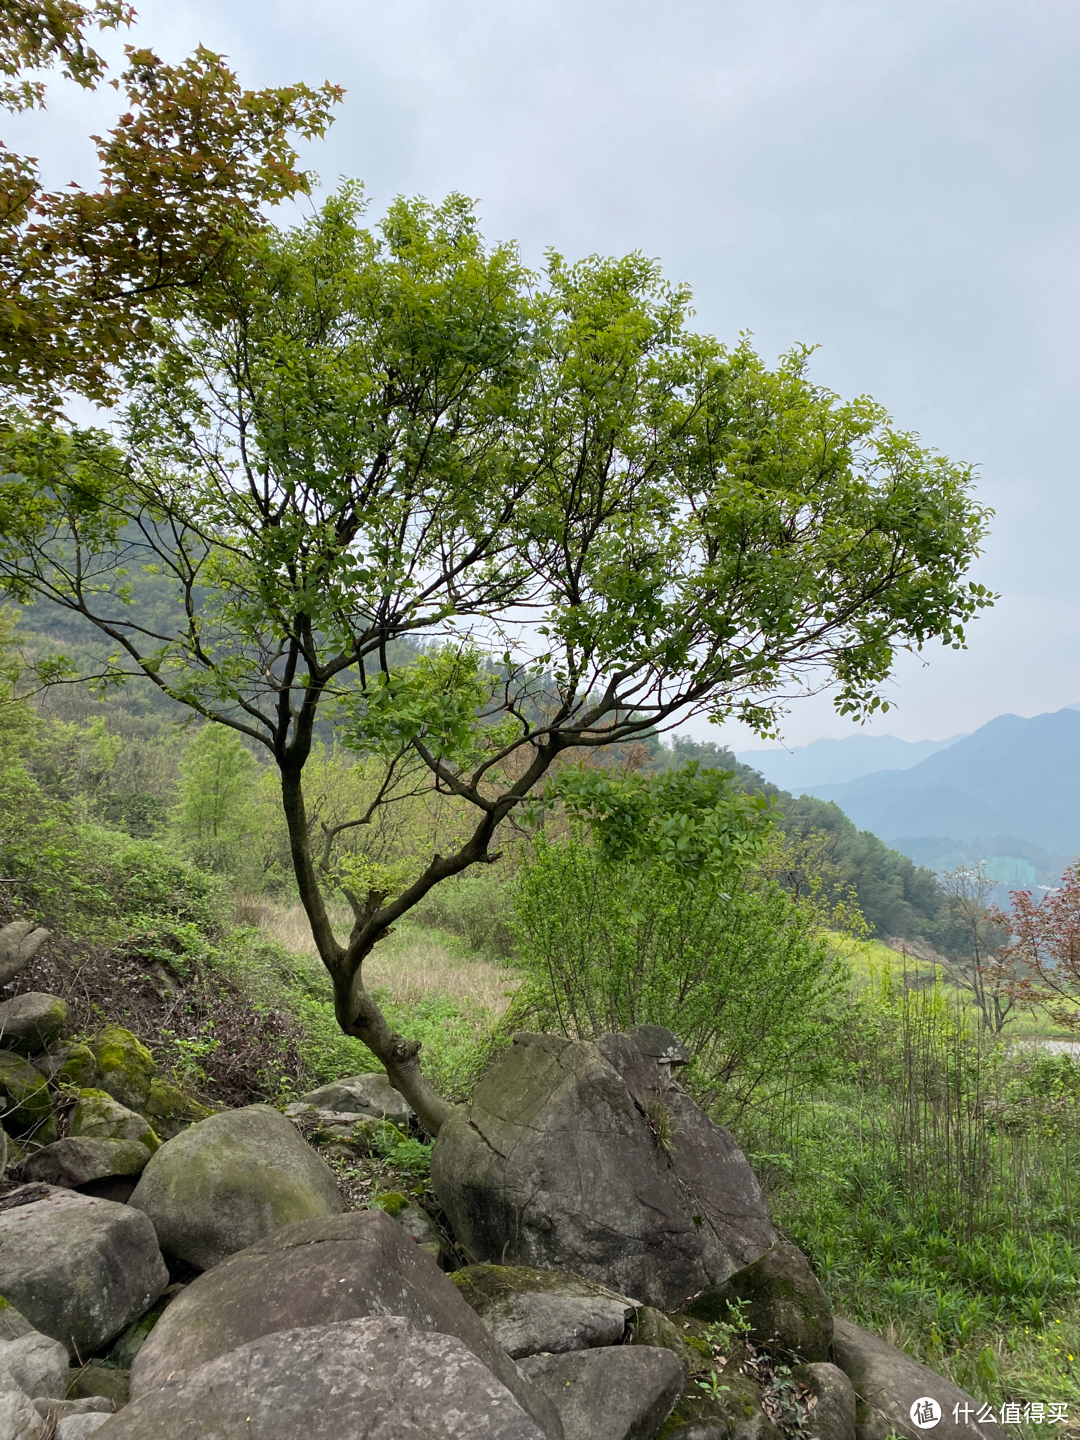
894, 182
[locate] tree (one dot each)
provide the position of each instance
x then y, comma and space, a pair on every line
989, 972
215, 810
187, 166
1045, 941
590, 521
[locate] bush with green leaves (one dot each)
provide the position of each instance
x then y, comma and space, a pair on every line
735, 967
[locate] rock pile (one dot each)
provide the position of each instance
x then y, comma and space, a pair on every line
611, 1233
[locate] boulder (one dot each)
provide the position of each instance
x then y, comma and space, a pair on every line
78, 1427
19, 1419
169, 1110
70, 1065
555, 1165
30, 1023
79, 1269
703, 1156
887, 1383
621, 1393
832, 1412
35, 1364
316, 1273
528, 1311
125, 1066
224, 1183
783, 1304
726, 1407
100, 1117
19, 943
378, 1378
77, 1160
55, 1409
27, 1105
371, 1095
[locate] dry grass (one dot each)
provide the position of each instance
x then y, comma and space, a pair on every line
410, 964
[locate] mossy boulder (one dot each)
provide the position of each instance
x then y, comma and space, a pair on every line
231, 1180
27, 1103
125, 1067
29, 1023
170, 1111
415, 1221
654, 1328
723, 1407
77, 1067
99, 1117
781, 1301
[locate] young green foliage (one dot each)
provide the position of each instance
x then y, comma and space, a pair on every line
354, 440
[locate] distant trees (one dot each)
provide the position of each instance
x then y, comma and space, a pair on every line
1044, 940
896, 897
590, 521
215, 811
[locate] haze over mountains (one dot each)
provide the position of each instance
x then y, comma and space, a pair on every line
827, 762
1009, 794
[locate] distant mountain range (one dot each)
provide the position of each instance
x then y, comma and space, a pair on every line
830, 762
1010, 790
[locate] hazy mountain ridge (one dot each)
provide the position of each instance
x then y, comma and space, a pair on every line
825, 762
1014, 778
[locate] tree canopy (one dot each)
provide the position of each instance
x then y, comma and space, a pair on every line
588, 521
187, 165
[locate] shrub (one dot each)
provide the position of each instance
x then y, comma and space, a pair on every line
737, 969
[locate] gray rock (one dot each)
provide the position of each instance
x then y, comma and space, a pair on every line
621, 1393
224, 1183
704, 1157
380, 1378
91, 1405
342, 1122
315, 1273
555, 1165
76, 1160
30, 1023
784, 1304
97, 1116
78, 1427
659, 1044
35, 1364
887, 1383
18, 1418
529, 1311
832, 1415
78, 1268
370, 1094
19, 943
13, 1325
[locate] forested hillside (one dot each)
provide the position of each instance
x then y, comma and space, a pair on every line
896, 897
